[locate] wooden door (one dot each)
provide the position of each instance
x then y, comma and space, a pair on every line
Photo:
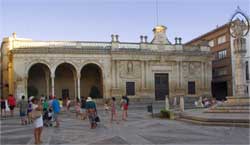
161, 86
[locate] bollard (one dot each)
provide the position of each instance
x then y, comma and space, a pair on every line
167, 103
150, 109
182, 103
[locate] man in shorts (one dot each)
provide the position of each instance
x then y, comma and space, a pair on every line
23, 104
56, 110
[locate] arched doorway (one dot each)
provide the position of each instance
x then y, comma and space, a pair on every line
39, 80
91, 81
65, 81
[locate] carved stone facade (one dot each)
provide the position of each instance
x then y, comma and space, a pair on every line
115, 62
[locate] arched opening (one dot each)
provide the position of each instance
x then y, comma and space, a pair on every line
39, 80
65, 81
91, 81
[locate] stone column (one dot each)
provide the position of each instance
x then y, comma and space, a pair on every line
78, 86
146, 74
180, 73
182, 103
202, 75
53, 85
26, 86
113, 74
142, 75
116, 74
240, 81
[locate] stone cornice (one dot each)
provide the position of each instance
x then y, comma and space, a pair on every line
108, 51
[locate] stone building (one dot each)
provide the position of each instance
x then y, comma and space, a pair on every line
153, 69
219, 40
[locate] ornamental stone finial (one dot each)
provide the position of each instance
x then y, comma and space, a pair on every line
117, 38
180, 40
112, 37
146, 39
141, 39
14, 35
175, 40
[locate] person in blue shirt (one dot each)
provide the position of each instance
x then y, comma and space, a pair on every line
56, 110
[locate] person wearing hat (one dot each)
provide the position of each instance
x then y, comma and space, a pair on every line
91, 111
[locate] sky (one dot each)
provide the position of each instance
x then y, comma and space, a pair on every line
96, 20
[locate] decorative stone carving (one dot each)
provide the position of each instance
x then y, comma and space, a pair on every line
194, 69
185, 70
130, 69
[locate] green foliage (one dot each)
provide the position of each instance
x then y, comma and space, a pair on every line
94, 92
166, 114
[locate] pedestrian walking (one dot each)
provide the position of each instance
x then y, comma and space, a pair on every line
23, 105
68, 103
3, 107
114, 113
124, 107
56, 110
12, 104
77, 107
38, 119
83, 108
91, 111
45, 104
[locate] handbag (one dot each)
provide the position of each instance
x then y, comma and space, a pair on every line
97, 119
35, 114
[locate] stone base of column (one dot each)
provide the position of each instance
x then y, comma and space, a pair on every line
233, 104
236, 100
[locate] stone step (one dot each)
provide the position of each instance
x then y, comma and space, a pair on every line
227, 111
231, 108
214, 123
213, 119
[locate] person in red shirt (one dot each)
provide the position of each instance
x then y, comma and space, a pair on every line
12, 104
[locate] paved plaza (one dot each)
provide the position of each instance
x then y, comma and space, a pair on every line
139, 129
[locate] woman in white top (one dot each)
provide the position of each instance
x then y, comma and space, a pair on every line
38, 122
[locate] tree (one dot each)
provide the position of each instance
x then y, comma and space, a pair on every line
94, 92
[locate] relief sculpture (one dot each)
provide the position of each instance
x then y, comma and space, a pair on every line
130, 69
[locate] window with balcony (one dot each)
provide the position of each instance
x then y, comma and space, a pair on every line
221, 39
222, 54
220, 72
211, 43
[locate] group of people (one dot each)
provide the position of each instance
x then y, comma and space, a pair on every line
116, 107
7, 105
43, 111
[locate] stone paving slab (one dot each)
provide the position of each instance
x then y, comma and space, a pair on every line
139, 129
